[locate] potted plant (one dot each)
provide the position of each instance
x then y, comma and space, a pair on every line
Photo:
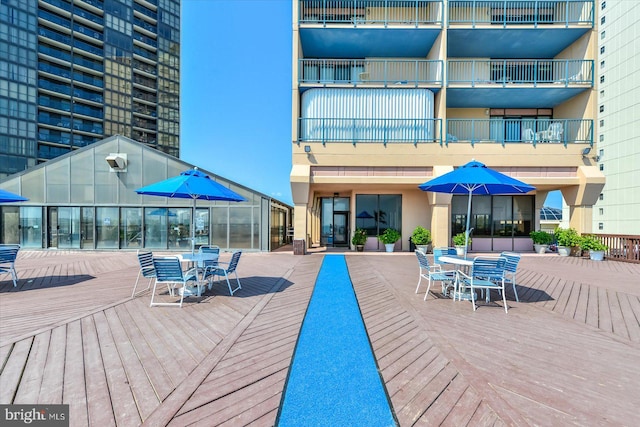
421, 237
568, 238
359, 239
459, 243
596, 248
541, 240
389, 237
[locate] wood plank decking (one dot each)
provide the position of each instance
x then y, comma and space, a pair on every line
566, 354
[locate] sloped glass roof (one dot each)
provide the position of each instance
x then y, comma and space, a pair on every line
550, 214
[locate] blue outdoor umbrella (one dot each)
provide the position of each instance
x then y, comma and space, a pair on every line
8, 197
475, 178
191, 184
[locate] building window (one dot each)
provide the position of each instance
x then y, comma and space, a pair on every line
601, 154
602, 64
601, 196
602, 108
603, 34
601, 137
602, 78
602, 93
601, 49
602, 123
602, 20
601, 166
601, 211
603, 5
600, 226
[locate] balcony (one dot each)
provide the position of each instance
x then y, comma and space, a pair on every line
530, 12
529, 131
484, 28
414, 131
360, 72
528, 83
399, 28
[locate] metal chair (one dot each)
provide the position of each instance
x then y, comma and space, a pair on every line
169, 272
511, 268
217, 270
486, 273
8, 255
432, 273
145, 259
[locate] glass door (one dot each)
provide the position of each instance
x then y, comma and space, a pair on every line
52, 221
68, 228
31, 227
340, 229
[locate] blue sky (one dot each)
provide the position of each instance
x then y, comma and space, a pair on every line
236, 92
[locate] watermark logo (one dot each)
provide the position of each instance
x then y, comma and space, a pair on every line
34, 415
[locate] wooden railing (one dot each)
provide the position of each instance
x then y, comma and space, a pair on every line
621, 247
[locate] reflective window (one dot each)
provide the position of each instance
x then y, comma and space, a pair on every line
240, 233
31, 227
131, 228
107, 228
68, 228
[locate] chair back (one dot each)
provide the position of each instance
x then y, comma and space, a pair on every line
8, 253
145, 259
210, 250
513, 258
488, 266
422, 259
555, 131
234, 261
442, 251
168, 269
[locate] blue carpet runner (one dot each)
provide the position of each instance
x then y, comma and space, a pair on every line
333, 379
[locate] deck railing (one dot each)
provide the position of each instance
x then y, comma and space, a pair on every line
368, 71
513, 72
384, 12
532, 12
621, 247
531, 131
384, 131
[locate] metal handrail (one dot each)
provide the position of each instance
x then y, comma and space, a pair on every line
370, 71
358, 12
519, 12
560, 72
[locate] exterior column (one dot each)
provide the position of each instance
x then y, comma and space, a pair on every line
582, 197
300, 184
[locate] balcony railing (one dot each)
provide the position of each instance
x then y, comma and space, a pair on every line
532, 12
621, 247
368, 71
562, 72
382, 12
530, 131
354, 131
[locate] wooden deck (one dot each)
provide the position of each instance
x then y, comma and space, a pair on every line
566, 354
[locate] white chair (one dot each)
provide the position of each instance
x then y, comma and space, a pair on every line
528, 135
8, 255
145, 259
218, 270
486, 273
555, 132
511, 268
169, 272
433, 273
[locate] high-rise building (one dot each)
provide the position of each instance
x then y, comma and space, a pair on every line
390, 94
618, 208
75, 71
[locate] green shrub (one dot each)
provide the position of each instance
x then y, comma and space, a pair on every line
389, 235
541, 237
359, 237
567, 237
421, 236
458, 239
590, 242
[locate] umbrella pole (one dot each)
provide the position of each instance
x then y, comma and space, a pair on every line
466, 233
193, 227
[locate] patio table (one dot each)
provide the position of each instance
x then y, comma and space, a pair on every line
463, 262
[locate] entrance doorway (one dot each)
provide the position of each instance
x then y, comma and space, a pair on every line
340, 229
52, 222
334, 221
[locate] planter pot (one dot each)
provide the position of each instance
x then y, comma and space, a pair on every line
423, 248
564, 250
460, 250
541, 249
359, 248
389, 247
596, 255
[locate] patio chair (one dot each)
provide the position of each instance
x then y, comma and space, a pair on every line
145, 259
8, 255
218, 270
511, 268
212, 249
169, 272
486, 273
433, 273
